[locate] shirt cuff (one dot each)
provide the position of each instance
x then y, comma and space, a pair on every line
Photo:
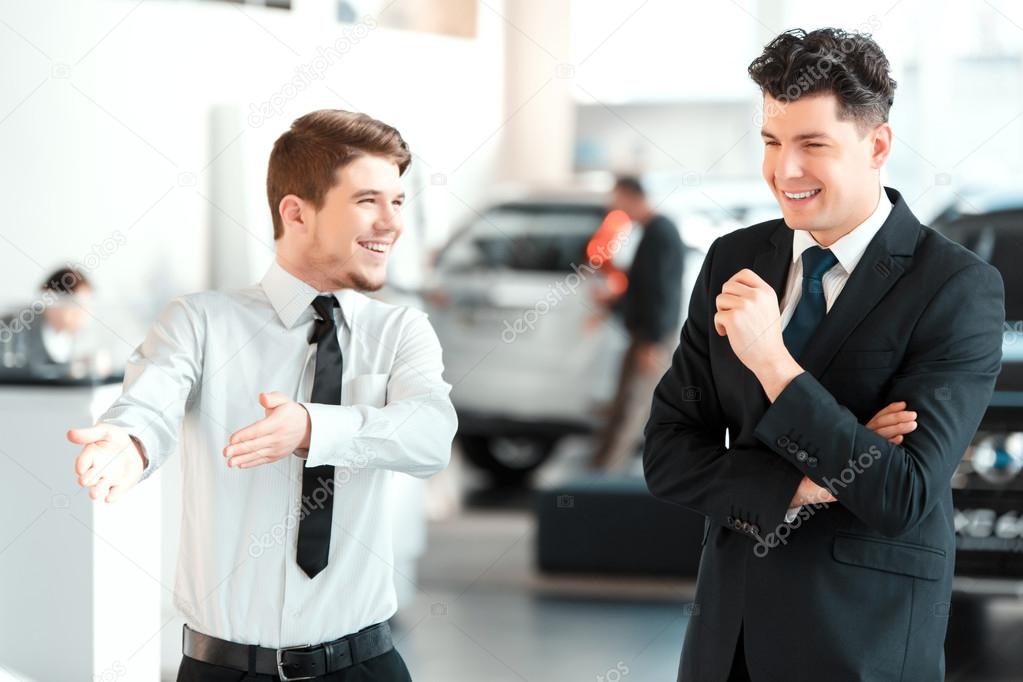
332, 430
146, 445
791, 514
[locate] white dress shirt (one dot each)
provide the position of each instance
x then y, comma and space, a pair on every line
848, 251
201, 368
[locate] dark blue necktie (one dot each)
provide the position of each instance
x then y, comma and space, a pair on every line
812, 307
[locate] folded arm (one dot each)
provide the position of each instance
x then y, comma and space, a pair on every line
947, 376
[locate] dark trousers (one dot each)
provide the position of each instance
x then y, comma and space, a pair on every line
739, 671
622, 433
387, 667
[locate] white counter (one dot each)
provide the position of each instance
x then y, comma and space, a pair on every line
80, 586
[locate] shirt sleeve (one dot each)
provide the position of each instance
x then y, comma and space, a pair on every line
412, 432
159, 378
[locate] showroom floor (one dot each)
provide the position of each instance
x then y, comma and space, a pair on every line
482, 613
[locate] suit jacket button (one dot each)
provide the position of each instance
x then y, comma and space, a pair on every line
755, 529
745, 525
792, 448
782, 441
801, 455
737, 524
812, 461
730, 519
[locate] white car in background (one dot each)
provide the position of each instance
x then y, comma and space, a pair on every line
512, 301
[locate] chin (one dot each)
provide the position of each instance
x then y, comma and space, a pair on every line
796, 222
361, 282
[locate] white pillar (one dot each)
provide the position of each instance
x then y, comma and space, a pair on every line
538, 135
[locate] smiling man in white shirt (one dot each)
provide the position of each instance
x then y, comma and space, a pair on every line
296, 399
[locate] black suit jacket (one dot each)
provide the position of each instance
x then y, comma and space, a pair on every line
859, 589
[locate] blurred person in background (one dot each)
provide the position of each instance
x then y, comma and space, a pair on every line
45, 344
650, 309
288, 390
829, 543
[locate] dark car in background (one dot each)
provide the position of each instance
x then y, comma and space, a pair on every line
986, 612
989, 487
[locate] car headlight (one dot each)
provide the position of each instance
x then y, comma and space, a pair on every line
999, 458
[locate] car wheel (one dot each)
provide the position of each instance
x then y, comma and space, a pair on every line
507, 458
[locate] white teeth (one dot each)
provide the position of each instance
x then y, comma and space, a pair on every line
801, 195
379, 247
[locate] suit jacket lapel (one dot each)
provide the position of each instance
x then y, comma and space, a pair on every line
883, 263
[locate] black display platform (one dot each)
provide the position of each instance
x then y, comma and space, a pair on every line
613, 525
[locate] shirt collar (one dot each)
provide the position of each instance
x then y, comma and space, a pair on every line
292, 298
850, 248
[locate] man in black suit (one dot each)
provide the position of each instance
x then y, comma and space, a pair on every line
829, 545
651, 311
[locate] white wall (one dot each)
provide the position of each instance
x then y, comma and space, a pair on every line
105, 128
667, 91
132, 122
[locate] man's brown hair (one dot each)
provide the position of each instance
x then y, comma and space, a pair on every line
305, 159
829, 60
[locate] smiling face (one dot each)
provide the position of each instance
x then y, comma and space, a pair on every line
823, 170
346, 242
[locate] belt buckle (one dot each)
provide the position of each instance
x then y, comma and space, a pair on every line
280, 663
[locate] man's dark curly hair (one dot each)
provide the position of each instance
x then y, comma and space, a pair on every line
829, 60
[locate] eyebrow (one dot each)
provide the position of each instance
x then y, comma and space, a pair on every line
373, 193
799, 138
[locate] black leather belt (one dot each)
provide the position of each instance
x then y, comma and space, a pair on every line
289, 663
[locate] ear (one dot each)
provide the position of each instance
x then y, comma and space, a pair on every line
293, 214
881, 145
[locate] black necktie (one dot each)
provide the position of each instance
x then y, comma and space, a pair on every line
318, 482
812, 306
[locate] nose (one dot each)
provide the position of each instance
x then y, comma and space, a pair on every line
388, 219
788, 164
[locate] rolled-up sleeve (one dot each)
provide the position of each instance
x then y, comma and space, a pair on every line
159, 378
411, 433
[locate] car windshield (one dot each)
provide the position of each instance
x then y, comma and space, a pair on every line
524, 237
